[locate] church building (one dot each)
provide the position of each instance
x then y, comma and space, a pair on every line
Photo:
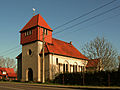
43, 57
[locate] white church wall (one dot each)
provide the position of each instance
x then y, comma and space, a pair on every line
56, 68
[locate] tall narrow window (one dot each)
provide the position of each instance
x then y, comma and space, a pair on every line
66, 67
82, 68
30, 32
63, 68
73, 68
25, 33
70, 68
57, 61
79, 69
46, 32
59, 68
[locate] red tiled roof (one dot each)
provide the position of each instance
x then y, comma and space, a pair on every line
35, 21
93, 63
10, 72
12, 75
63, 48
2, 69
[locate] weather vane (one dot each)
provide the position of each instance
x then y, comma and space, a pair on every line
33, 11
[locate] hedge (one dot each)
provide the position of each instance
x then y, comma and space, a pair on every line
103, 78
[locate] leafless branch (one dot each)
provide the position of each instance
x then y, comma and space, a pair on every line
101, 48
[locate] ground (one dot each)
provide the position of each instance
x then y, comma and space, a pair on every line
33, 86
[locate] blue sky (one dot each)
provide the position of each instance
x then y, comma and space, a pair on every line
14, 14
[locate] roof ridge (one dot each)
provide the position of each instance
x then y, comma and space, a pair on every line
62, 41
37, 18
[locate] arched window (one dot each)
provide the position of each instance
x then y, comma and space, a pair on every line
66, 67
75, 67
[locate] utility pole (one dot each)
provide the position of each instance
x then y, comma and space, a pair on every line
43, 78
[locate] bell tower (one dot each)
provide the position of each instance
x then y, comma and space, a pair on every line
31, 41
33, 31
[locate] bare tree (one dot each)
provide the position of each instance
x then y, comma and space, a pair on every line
54, 71
8, 63
101, 48
118, 57
119, 63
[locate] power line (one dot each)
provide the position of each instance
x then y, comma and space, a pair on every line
98, 22
9, 49
88, 19
78, 18
85, 14
94, 23
11, 52
15, 46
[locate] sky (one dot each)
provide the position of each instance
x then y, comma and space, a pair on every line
14, 14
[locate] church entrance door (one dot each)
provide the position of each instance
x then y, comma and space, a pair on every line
30, 74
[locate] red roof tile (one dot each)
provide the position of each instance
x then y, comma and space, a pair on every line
0, 72
12, 75
35, 21
10, 72
63, 48
2, 69
93, 63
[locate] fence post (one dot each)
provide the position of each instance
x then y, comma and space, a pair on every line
83, 73
108, 79
63, 78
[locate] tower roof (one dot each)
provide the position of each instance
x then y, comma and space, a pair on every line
36, 20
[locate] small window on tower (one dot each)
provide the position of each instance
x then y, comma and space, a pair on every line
30, 32
46, 32
25, 33
29, 52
